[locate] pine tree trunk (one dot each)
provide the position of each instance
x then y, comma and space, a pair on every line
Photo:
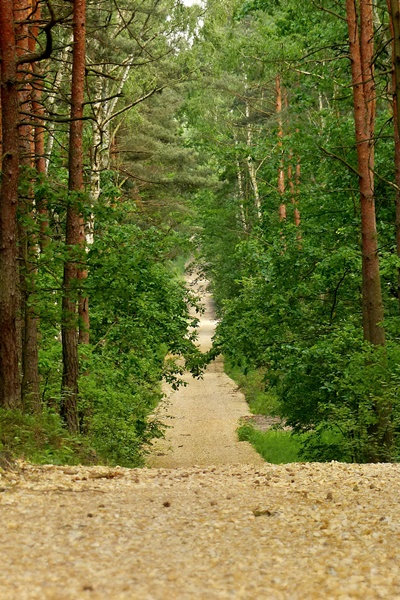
10, 389
69, 408
361, 55
27, 241
361, 38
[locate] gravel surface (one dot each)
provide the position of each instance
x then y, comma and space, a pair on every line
300, 531
203, 417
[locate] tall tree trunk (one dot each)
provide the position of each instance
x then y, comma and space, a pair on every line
294, 187
1, 131
362, 68
27, 241
293, 183
361, 41
51, 101
69, 408
242, 215
394, 12
40, 159
83, 301
10, 389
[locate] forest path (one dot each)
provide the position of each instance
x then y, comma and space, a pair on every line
203, 417
293, 532
242, 532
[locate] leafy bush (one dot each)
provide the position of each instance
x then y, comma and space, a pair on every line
41, 439
139, 315
338, 389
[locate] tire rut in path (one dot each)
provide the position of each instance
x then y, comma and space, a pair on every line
202, 418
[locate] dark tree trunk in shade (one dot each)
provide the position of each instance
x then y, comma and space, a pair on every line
10, 389
73, 225
39, 130
27, 238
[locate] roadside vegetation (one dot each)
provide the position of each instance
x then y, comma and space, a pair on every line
305, 281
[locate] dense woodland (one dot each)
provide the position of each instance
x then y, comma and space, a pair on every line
261, 139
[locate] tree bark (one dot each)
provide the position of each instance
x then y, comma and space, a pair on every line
242, 215
83, 301
69, 407
10, 389
361, 43
360, 29
39, 130
27, 238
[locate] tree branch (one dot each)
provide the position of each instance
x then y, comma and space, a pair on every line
342, 160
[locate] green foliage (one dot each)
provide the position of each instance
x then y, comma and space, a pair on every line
139, 315
341, 386
186, 161
115, 407
289, 298
275, 446
41, 439
253, 384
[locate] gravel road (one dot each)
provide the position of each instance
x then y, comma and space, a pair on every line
302, 531
203, 417
245, 531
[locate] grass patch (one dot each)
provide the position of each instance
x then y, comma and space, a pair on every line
277, 447
252, 384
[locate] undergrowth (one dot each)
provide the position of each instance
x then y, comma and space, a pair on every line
275, 446
41, 439
252, 384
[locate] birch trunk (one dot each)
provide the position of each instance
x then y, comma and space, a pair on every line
242, 215
250, 165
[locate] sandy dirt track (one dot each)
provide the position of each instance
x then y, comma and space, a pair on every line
203, 417
313, 531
